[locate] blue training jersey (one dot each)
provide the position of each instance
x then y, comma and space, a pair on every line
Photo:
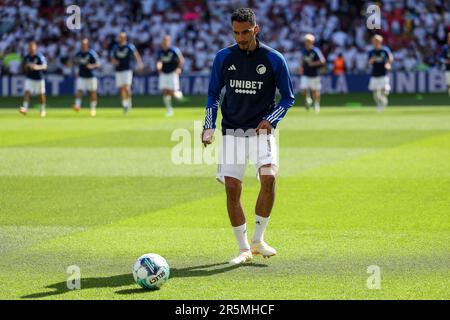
83, 59
36, 59
170, 59
251, 80
381, 56
445, 56
125, 56
309, 56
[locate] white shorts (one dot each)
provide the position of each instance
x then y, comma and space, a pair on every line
35, 86
169, 81
124, 78
380, 83
447, 77
235, 153
312, 83
86, 84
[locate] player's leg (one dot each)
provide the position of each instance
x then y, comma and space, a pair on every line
265, 159
43, 100
78, 95
304, 87
233, 188
447, 78
78, 98
124, 97
167, 99
92, 87
93, 106
230, 171
129, 91
40, 88
263, 210
316, 96
26, 103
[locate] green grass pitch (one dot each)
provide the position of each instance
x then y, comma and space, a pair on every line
356, 189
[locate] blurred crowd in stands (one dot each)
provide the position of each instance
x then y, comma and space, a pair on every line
415, 30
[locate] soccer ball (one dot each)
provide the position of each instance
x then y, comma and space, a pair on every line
151, 271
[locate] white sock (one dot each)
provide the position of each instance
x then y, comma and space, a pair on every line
93, 105
43, 107
376, 97
130, 103
125, 103
240, 233
78, 102
260, 228
316, 104
168, 102
25, 105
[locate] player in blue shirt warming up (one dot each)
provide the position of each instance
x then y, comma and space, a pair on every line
122, 56
312, 61
250, 72
380, 58
169, 65
87, 61
34, 65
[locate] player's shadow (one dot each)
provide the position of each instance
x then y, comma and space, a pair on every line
127, 279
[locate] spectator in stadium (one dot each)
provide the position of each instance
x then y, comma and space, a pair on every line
339, 65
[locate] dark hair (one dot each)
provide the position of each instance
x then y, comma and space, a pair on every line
243, 15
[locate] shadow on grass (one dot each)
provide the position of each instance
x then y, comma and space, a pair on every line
127, 279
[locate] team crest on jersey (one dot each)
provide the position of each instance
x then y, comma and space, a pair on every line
167, 58
261, 69
122, 53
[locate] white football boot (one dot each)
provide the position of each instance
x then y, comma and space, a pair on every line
242, 257
263, 249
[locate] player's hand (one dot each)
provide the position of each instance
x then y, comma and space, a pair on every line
114, 62
371, 61
388, 66
141, 67
264, 127
207, 137
178, 71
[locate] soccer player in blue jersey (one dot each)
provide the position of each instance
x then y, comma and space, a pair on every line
122, 56
380, 58
87, 61
251, 72
34, 65
312, 61
445, 60
169, 65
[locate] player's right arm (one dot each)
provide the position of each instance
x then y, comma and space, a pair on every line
112, 58
443, 56
216, 83
159, 64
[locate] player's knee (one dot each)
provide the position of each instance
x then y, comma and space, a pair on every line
268, 183
233, 188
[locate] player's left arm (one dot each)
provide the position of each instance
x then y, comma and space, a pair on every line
443, 56
138, 58
320, 60
181, 61
40, 67
390, 59
286, 89
96, 64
